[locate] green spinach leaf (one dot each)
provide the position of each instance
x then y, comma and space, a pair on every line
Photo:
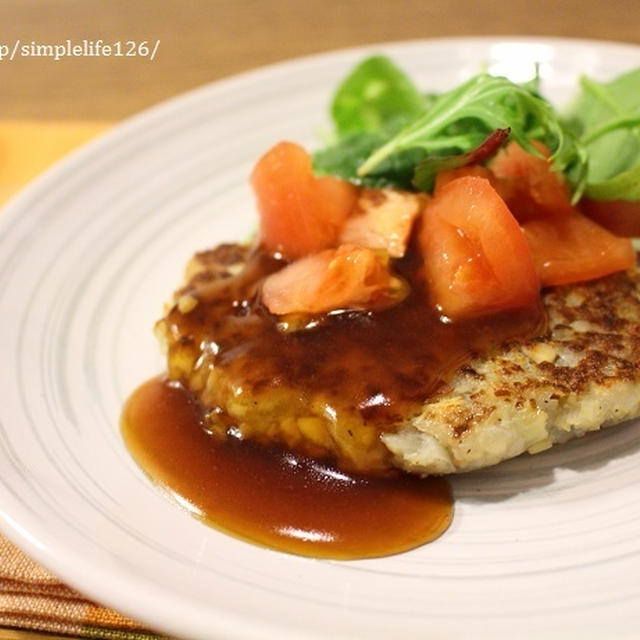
343, 158
606, 116
376, 97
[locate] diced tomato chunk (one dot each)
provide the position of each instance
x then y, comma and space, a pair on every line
299, 212
447, 175
575, 249
529, 185
348, 277
618, 216
476, 258
383, 219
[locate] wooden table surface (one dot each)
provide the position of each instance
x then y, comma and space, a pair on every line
202, 40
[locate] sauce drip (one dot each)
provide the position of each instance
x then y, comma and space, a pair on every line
243, 447
272, 497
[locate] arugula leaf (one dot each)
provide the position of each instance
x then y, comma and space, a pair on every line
489, 103
376, 97
425, 172
607, 117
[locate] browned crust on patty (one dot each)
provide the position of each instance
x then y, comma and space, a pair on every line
584, 373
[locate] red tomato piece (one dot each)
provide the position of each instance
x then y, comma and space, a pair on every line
348, 277
383, 219
618, 216
299, 212
576, 249
447, 175
529, 185
476, 258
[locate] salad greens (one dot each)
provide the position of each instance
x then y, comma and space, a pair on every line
376, 97
373, 103
461, 118
425, 172
387, 133
606, 116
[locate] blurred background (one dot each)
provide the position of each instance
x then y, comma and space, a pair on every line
203, 40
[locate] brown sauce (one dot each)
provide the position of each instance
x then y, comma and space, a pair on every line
272, 497
358, 373
380, 361
249, 382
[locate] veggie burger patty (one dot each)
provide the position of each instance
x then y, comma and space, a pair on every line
579, 376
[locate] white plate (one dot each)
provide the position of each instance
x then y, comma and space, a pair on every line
548, 545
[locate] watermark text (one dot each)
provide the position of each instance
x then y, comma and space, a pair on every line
79, 49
